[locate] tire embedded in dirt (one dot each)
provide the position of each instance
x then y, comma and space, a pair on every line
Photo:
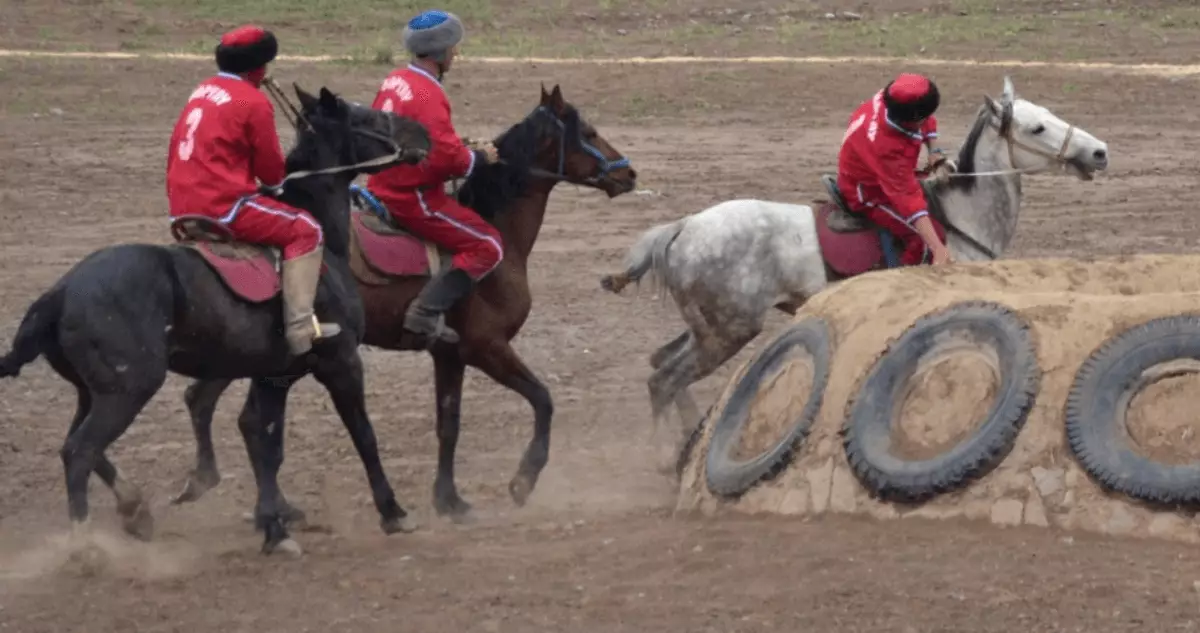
868, 432
725, 474
1099, 402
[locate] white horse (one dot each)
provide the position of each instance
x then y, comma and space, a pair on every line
729, 264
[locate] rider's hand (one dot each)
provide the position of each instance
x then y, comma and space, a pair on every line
942, 256
490, 152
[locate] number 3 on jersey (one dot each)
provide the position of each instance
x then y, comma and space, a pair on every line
388, 106
189, 140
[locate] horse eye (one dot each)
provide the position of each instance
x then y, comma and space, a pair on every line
1039, 129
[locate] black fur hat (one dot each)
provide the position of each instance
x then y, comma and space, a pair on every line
910, 98
246, 48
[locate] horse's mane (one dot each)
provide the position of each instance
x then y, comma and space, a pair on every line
490, 188
966, 155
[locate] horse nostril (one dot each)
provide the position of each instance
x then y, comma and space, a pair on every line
1100, 154
632, 174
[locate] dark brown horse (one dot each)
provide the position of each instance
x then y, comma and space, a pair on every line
550, 145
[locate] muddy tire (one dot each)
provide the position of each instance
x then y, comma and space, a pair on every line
1099, 400
867, 437
728, 476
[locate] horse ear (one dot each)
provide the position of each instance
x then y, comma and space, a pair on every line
993, 106
1010, 93
545, 95
556, 98
330, 103
308, 103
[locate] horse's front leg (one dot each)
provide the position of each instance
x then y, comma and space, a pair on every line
201, 398
342, 376
262, 425
499, 360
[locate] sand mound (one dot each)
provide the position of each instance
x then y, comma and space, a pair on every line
1072, 307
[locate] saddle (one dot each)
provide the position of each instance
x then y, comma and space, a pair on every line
381, 252
249, 271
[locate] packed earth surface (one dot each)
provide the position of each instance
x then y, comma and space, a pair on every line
599, 546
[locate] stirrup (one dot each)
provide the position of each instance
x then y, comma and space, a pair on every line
320, 332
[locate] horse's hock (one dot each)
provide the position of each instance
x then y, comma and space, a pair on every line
1048, 392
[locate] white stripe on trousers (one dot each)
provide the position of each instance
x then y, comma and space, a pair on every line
465, 229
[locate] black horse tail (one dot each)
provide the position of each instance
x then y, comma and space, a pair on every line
39, 322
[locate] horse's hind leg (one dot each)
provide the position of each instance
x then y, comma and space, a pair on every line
201, 398
697, 360
108, 416
131, 505
684, 403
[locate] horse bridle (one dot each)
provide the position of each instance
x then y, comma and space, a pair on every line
1005, 127
298, 120
605, 168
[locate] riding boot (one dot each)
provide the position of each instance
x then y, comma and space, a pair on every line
424, 316
300, 278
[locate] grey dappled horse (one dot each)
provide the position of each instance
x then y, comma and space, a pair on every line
728, 265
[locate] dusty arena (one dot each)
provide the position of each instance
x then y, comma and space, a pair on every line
606, 542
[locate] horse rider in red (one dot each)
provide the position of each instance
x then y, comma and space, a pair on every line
877, 165
224, 139
415, 194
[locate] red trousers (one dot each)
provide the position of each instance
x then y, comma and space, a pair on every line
258, 219
432, 215
914, 250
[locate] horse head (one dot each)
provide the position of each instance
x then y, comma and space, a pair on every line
1038, 140
333, 133
570, 149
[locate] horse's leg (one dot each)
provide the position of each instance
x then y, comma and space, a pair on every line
201, 398
262, 425
661, 355
131, 505
135, 512
697, 360
448, 371
499, 360
343, 378
684, 403
107, 417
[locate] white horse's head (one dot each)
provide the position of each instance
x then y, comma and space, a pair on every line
1038, 140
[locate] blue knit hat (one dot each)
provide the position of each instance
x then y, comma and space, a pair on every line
432, 33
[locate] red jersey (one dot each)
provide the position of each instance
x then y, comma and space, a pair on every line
224, 138
413, 93
878, 158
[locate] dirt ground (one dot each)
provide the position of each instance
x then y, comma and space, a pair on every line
597, 548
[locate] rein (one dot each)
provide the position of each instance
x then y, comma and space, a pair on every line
1006, 133
298, 120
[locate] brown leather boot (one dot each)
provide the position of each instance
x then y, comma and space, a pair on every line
300, 278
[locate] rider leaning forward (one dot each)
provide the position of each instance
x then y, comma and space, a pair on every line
877, 165
225, 138
415, 194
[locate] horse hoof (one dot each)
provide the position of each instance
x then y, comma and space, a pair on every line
288, 547
520, 488
196, 485
139, 523
453, 507
402, 525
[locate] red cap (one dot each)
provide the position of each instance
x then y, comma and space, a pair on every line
909, 88
244, 36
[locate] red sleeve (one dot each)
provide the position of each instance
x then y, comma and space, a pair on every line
929, 128
267, 161
898, 182
449, 158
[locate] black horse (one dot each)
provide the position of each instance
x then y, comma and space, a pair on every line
125, 315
